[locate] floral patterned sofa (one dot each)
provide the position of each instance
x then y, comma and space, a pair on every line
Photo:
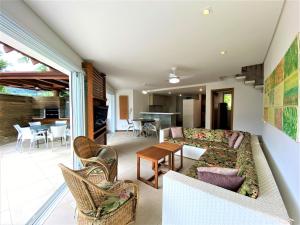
187, 200
218, 153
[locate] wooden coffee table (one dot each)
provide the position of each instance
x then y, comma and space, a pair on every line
172, 148
152, 154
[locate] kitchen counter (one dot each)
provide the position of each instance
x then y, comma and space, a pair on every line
165, 119
160, 113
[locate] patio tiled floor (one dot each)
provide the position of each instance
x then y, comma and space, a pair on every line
28, 179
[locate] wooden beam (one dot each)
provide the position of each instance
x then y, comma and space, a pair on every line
56, 82
32, 84
50, 75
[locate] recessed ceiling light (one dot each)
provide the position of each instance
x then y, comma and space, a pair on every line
37, 88
206, 11
224, 52
169, 92
180, 95
144, 92
200, 89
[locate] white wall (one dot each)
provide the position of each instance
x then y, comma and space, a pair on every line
282, 152
24, 16
140, 103
137, 102
247, 106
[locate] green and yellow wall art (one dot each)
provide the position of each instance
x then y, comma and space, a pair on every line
282, 95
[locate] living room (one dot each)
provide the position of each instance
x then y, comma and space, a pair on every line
204, 86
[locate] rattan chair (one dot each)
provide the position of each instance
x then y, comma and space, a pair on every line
103, 156
90, 198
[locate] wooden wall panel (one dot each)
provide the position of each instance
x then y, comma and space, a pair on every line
96, 96
123, 106
13, 110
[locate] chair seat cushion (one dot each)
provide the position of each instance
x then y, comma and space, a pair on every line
111, 203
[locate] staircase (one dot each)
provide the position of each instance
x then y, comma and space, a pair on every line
252, 75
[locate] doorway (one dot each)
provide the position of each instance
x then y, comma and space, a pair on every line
111, 112
222, 109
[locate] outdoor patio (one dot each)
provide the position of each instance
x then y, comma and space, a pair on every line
28, 179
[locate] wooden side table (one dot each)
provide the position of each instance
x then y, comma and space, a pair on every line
172, 148
152, 154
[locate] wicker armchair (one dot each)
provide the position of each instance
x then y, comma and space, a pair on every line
91, 198
103, 156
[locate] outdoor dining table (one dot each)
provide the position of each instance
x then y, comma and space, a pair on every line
45, 127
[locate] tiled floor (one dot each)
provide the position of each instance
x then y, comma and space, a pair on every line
150, 202
28, 179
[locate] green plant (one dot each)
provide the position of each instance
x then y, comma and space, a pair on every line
64, 94
3, 64
23, 59
41, 68
2, 89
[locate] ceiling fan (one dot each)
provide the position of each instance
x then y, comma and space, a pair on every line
173, 78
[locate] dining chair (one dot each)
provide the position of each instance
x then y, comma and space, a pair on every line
60, 122
57, 132
137, 127
153, 127
129, 125
25, 133
68, 136
18, 128
35, 123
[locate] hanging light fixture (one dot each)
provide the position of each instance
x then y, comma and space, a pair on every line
174, 80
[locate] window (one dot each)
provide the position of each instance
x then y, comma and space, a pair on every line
227, 98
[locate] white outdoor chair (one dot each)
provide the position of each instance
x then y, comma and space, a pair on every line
25, 133
68, 136
18, 128
35, 123
57, 132
129, 125
60, 122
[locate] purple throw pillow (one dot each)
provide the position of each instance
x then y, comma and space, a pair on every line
232, 183
232, 139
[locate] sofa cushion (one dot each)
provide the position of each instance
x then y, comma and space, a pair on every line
219, 170
213, 158
205, 134
198, 133
232, 139
176, 132
246, 166
228, 182
238, 141
181, 141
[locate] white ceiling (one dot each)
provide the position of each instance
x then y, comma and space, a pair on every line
137, 42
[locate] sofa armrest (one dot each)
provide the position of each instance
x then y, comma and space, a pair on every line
163, 134
190, 201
